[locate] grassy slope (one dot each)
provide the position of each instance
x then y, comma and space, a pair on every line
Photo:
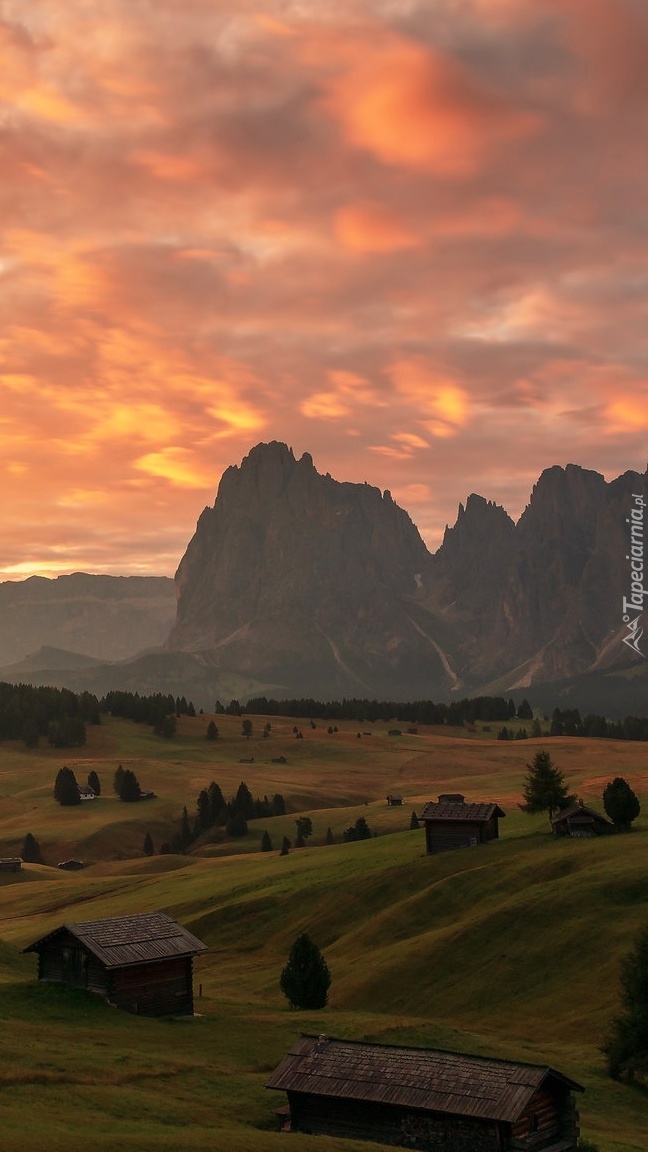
511, 950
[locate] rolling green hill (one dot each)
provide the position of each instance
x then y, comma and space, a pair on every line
511, 949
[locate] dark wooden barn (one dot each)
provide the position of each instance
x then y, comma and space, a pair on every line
140, 963
452, 822
426, 1099
579, 820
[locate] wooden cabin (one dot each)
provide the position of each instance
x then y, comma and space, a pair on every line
580, 821
426, 1099
140, 963
11, 863
394, 801
452, 822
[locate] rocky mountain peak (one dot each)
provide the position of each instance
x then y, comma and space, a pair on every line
291, 567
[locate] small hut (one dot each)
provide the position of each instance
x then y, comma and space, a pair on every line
580, 821
425, 1098
452, 822
140, 963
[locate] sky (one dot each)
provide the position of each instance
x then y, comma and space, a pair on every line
409, 237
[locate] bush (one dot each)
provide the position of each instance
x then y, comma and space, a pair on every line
621, 803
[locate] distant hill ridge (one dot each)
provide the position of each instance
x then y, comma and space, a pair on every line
298, 584
106, 617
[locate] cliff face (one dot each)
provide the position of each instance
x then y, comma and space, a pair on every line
295, 577
559, 612
305, 581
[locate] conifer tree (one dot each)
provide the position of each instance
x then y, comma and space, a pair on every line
66, 789
30, 850
217, 805
203, 817
626, 1047
544, 789
94, 782
266, 842
129, 789
147, 847
243, 802
306, 979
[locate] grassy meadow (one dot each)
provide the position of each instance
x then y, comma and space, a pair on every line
511, 949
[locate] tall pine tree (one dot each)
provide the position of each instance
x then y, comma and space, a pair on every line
626, 1047
544, 789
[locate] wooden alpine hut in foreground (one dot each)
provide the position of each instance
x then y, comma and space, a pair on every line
453, 822
140, 963
426, 1099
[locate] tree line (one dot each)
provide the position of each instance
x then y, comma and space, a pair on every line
563, 722
456, 714
32, 714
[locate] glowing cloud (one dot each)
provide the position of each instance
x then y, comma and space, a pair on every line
370, 227
415, 106
437, 396
175, 465
354, 228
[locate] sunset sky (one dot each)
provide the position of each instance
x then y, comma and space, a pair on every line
407, 236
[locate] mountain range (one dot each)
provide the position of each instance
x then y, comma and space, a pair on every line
296, 584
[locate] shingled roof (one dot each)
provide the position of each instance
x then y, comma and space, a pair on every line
423, 1078
579, 813
123, 940
460, 810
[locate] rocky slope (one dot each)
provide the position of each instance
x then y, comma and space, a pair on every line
304, 581
308, 583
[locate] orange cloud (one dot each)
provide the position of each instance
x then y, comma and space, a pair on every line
414, 106
176, 465
350, 392
629, 412
222, 225
166, 166
370, 227
442, 403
